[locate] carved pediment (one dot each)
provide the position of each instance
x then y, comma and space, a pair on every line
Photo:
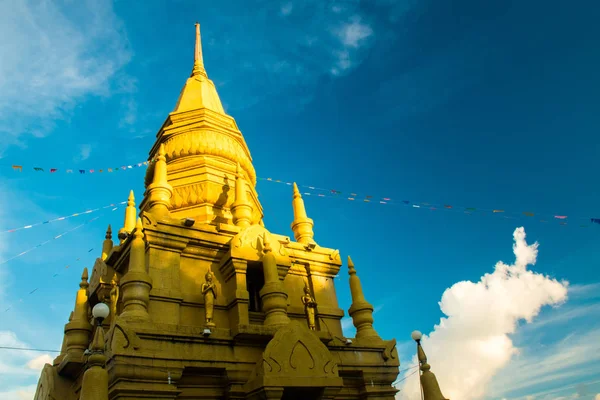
102, 275
296, 353
248, 244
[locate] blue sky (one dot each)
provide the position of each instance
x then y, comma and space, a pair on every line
492, 105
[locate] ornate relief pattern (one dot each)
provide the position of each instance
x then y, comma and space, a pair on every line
295, 351
206, 142
190, 195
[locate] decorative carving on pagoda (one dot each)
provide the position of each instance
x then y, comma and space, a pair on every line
209, 291
295, 357
310, 308
100, 281
114, 297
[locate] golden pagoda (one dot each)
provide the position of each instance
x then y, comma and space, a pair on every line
199, 300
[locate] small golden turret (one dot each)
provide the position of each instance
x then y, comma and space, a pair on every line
360, 310
241, 208
107, 245
273, 295
136, 283
78, 329
159, 192
302, 225
130, 216
429, 383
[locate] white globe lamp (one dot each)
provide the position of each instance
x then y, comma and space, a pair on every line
100, 312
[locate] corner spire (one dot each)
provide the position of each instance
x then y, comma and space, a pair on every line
360, 310
107, 245
198, 59
241, 209
159, 192
130, 216
302, 225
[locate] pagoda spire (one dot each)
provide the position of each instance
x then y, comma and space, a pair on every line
136, 283
198, 59
429, 383
199, 91
360, 310
302, 225
241, 209
107, 245
130, 215
202, 146
273, 295
78, 329
159, 192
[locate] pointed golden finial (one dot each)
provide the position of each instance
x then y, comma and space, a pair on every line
84, 279
360, 310
274, 296
198, 58
351, 270
429, 383
159, 192
130, 215
136, 283
107, 245
241, 210
138, 229
302, 226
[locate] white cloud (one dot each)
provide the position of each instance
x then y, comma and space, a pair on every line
353, 34
20, 393
85, 150
129, 117
54, 56
38, 363
287, 8
19, 369
474, 337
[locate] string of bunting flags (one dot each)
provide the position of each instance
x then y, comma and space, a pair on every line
58, 273
65, 217
66, 267
50, 240
19, 168
355, 196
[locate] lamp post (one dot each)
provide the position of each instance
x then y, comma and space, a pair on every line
95, 378
429, 384
100, 312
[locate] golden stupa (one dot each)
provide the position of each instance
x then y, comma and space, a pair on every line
203, 301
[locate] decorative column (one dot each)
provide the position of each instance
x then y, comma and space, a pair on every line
302, 225
360, 311
241, 208
78, 329
107, 245
429, 383
130, 216
136, 283
159, 192
273, 296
